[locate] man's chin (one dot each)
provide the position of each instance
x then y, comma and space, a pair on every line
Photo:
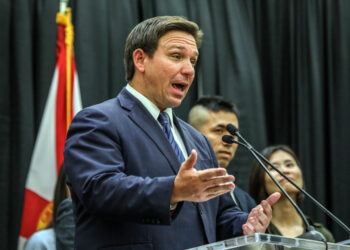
223, 164
175, 102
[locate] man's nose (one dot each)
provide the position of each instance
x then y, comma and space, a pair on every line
188, 69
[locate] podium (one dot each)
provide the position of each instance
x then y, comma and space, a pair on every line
270, 242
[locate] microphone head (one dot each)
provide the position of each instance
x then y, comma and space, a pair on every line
232, 129
228, 139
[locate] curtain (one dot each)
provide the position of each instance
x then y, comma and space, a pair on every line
283, 63
27, 64
303, 50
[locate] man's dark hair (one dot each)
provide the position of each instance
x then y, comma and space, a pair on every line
217, 103
197, 116
146, 36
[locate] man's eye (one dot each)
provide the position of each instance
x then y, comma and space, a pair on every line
218, 131
176, 56
194, 62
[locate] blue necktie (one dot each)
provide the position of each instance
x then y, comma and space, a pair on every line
163, 119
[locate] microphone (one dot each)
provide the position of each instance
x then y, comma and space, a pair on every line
234, 131
311, 233
229, 140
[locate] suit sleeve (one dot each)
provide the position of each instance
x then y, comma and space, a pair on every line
230, 218
95, 167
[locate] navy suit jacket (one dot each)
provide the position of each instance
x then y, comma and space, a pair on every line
245, 202
121, 171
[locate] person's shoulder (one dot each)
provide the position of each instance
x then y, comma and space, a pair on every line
322, 229
124, 100
45, 233
105, 106
43, 239
100, 111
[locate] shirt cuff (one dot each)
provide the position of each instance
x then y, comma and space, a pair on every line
173, 207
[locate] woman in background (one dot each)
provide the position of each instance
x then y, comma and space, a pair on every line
286, 221
60, 233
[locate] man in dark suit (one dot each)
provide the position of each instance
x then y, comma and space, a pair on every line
210, 116
140, 177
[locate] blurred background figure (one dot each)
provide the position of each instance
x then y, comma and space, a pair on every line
210, 115
60, 233
286, 220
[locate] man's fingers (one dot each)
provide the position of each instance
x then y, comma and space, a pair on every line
255, 222
191, 160
260, 216
263, 218
219, 190
248, 229
211, 173
215, 194
218, 181
273, 198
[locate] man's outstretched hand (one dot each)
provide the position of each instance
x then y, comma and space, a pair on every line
260, 216
200, 185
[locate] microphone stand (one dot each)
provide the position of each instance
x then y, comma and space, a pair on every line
311, 232
234, 131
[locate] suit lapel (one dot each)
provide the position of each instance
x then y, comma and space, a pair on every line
144, 120
184, 134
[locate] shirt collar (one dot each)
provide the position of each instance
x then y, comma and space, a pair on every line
150, 106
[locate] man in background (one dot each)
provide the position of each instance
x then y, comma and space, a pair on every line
210, 116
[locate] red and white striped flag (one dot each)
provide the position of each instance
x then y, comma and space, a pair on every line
62, 104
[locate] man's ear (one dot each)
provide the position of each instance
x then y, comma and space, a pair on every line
139, 57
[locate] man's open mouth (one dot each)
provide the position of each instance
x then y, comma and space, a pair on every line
179, 86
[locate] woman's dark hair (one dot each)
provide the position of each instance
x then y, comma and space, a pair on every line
257, 174
61, 193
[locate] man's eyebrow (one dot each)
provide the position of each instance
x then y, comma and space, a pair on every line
180, 48
220, 125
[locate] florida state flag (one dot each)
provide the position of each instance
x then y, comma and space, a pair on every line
62, 103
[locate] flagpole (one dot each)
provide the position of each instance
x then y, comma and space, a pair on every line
69, 47
63, 5
69, 51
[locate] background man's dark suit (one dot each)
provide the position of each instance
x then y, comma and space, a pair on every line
244, 201
120, 145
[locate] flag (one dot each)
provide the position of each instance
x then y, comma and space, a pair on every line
62, 103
